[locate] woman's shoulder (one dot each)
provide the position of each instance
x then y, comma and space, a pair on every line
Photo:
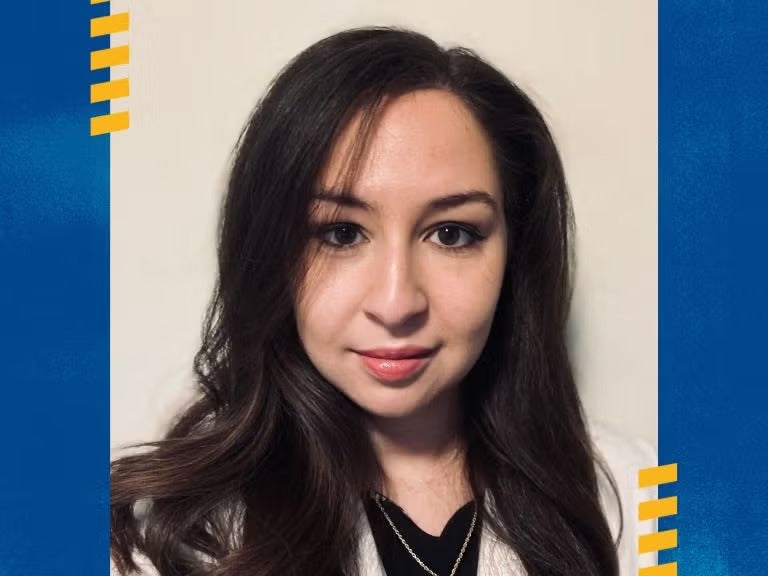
623, 455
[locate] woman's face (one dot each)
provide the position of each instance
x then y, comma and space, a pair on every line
404, 278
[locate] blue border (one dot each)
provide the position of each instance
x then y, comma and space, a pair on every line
713, 281
54, 294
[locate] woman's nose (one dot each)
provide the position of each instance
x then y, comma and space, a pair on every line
395, 296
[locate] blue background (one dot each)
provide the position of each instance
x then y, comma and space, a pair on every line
713, 281
54, 295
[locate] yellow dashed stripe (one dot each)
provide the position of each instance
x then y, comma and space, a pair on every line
656, 541
669, 569
109, 123
109, 24
109, 57
109, 90
657, 508
657, 475
652, 509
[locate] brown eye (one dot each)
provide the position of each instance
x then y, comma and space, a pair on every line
449, 235
342, 235
454, 236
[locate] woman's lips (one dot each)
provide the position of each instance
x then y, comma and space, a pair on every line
395, 369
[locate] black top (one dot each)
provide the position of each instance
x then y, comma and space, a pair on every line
439, 553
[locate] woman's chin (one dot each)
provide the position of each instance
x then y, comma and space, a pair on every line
394, 403
398, 405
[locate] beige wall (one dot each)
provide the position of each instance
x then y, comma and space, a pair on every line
196, 70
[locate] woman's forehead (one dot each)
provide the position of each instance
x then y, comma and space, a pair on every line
423, 145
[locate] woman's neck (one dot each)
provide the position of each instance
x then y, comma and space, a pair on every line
423, 460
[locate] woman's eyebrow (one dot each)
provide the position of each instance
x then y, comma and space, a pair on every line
437, 204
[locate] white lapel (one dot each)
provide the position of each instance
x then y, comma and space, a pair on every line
496, 558
368, 556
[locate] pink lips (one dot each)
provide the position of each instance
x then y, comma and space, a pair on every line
393, 364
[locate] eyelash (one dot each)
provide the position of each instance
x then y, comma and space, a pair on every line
474, 236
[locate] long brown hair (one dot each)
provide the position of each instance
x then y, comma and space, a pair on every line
263, 474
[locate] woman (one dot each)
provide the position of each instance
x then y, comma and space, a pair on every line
384, 378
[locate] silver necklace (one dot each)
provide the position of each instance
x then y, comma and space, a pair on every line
378, 498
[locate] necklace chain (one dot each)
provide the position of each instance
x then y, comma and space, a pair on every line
378, 498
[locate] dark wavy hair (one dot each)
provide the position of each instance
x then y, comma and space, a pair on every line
264, 473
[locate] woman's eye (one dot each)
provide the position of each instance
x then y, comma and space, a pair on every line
454, 236
343, 235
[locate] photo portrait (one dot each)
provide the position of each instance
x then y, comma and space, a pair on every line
401, 250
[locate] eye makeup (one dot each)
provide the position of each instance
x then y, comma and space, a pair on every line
451, 236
